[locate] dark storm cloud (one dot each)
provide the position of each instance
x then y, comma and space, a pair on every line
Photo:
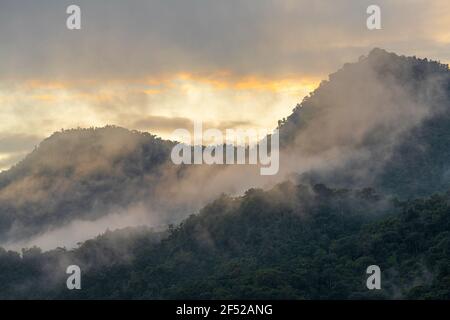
136, 38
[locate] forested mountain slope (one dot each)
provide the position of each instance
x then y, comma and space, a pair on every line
292, 242
383, 121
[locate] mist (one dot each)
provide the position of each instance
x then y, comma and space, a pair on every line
344, 132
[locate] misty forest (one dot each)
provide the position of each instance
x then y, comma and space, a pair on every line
364, 180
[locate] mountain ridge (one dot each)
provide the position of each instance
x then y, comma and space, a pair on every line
81, 173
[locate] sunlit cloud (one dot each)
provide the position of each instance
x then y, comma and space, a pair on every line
156, 65
158, 106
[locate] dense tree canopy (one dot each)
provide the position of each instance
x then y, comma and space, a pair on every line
292, 242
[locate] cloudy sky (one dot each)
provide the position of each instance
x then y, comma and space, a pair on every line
155, 65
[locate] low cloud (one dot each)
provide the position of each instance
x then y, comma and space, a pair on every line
77, 231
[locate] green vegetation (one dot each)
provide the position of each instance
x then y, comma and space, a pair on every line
391, 113
292, 242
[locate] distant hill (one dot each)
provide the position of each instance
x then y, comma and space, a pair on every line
76, 174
